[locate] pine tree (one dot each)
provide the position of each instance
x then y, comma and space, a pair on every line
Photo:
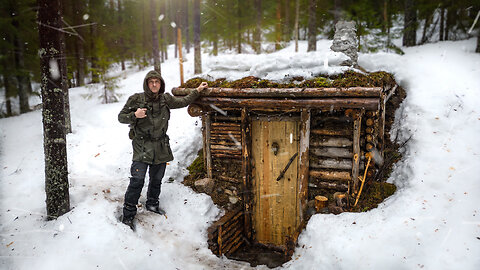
56, 173
410, 24
312, 26
196, 37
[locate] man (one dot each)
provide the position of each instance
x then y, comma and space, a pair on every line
147, 114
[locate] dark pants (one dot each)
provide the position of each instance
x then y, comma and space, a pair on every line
138, 171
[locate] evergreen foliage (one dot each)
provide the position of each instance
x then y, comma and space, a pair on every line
100, 33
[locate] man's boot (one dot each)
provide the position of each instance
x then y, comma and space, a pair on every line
155, 209
128, 222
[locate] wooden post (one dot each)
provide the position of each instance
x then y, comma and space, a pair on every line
320, 203
180, 58
246, 128
208, 151
204, 136
356, 149
303, 169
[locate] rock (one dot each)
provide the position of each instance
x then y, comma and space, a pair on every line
205, 185
345, 41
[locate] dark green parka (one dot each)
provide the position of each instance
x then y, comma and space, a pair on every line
149, 135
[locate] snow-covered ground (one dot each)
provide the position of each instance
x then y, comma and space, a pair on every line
431, 222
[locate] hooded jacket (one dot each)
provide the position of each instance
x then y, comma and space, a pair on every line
149, 135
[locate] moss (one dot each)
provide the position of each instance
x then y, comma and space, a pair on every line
373, 194
196, 168
346, 79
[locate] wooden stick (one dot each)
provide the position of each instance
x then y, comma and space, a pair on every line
246, 155
180, 58
304, 159
356, 150
208, 149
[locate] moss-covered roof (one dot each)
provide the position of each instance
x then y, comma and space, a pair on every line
347, 79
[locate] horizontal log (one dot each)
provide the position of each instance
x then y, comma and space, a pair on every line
226, 161
330, 141
338, 132
330, 163
227, 156
329, 185
228, 152
284, 92
339, 119
230, 143
263, 103
226, 136
215, 131
330, 175
226, 147
332, 152
226, 124
228, 118
226, 128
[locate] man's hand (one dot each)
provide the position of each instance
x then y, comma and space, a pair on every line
202, 86
141, 113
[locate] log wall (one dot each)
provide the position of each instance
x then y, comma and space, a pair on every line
225, 236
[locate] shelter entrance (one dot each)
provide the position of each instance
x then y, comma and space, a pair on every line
276, 209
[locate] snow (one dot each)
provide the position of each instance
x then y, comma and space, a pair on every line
432, 221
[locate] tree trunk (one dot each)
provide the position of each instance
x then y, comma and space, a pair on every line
337, 11
155, 50
186, 27
77, 10
55, 150
121, 41
196, 37
286, 28
442, 22
410, 24
478, 43
297, 15
257, 33
63, 73
22, 76
278, 26
312, 26
7, 86
239, 26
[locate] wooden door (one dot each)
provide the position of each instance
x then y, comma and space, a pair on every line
276, 209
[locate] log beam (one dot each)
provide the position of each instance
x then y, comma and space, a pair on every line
284, 92
265, 103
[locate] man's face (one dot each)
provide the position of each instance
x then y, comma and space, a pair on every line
154, 84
